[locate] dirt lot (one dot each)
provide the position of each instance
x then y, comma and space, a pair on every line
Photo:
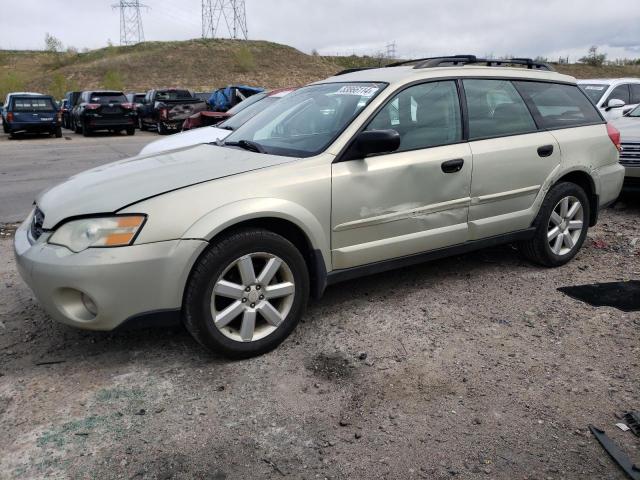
469, 367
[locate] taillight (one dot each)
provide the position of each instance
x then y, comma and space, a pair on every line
92, 106
614, 135
164, 113
10, 117
127, 106
59, 117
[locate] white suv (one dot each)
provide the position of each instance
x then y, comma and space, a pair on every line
360, 173
614, 97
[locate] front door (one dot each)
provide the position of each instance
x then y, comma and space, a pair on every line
414, 199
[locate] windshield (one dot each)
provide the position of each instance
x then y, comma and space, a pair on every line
32, 104
635, 112
305, 122
247, 113
594, 90
246, 102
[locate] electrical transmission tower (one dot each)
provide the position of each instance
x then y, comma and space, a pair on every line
391, 50
131, 31
218, 14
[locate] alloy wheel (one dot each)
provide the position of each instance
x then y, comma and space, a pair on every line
565, 225
247, 306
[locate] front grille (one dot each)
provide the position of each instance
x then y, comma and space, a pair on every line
630, 154
36, 224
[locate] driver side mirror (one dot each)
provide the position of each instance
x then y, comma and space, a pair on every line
615, 103
371, 142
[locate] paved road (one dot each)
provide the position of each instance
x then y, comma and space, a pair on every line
31, 164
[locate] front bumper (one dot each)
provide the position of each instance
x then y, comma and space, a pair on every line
122, 282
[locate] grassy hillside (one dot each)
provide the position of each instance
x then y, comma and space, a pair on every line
197, 64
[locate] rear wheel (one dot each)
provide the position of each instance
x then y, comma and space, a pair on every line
561, 226
86, 131
76, 126
58, 131
162, 130
131, 130
246, 294
141, 124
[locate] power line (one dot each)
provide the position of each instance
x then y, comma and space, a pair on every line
218, 14
391, 50
131, 31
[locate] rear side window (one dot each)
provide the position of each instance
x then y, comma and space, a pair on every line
496, 109
621, 92
559, 105
173, 95
32, 105
424, 115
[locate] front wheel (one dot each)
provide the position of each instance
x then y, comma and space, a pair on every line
162, 129
246, 293
561, 226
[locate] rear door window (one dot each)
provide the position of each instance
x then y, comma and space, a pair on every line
558, 105
105, 98
495, 109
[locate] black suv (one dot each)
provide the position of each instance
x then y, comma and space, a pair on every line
103, 110
71, 98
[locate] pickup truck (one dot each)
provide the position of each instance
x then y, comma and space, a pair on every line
165, 110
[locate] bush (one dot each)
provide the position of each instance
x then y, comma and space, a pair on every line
10, 82
244, 59
112, 81
594, 58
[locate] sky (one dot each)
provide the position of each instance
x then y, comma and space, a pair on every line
419, 28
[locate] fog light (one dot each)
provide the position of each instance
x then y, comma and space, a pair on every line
89, 304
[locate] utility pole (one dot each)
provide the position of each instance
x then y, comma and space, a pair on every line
220, 16
391, 50
131, 31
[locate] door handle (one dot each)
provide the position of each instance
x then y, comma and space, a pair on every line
452, 166
545, 151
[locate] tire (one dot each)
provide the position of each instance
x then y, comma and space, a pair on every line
5, 127
559, 229
86, 131
141, 125
131, 130
77, 127
58, 132
162, 130
221, 261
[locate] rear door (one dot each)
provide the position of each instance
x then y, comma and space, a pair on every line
414, 199
511, 158
35, 110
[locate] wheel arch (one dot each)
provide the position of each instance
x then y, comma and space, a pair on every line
584, 180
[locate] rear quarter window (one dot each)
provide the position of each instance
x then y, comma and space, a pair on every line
558, 105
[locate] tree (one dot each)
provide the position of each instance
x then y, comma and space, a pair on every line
51, 43
594, 58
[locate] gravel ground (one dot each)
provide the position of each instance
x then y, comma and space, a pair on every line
469, 367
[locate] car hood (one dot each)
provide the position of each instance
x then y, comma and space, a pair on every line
111, 187
629, 128
187, 138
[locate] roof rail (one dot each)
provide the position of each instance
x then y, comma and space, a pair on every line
455, 60
350, 70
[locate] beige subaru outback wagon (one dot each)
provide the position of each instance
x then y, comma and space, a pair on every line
363, 172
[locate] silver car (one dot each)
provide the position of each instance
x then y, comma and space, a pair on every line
629, 127
363, 172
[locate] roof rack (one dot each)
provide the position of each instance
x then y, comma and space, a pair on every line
351, 70
455, 60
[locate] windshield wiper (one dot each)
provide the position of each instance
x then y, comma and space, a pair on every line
247, 145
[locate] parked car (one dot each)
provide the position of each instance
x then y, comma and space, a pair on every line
71, 99
613, 96
165, 110
64, 112
629, 127
238, 116
136, 98
103, 110
360, 173
3, 109
223, 99
202, 119
32, 114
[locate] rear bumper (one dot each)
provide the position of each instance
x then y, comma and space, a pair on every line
610, 179
632, 172
32, 127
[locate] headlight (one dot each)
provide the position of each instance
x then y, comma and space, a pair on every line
78, 235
